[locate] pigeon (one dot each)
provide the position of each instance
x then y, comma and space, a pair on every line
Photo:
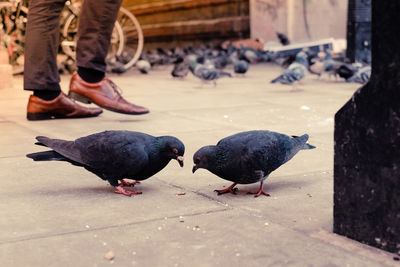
178, 52
249, 54
240, 66
180, 69
316, 67
331, 65
345, 71
295, 72
115, 155
153, 57
361, 76
114, 65
316, 64
324, 63
283, 39
221, 60
143, 66
249, 157
206, 71
125, 57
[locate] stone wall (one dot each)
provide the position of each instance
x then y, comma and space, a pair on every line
175, 22
300, 20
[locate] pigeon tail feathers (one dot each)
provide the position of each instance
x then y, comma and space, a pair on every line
65, 148
42, 140
46, 156
303, 139
308, 146
276, 79
224, 74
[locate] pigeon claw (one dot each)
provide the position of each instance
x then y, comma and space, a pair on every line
259, 193
125, 183
232, 189
121, 190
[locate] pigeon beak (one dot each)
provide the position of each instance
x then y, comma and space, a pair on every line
180, 160
194, 168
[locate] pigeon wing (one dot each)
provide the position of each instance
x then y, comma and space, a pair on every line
115, 153
259, 150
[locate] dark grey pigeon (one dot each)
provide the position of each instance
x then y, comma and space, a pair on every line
181, 68
240, 66
283, 39
206, 71
249, 157
115, 155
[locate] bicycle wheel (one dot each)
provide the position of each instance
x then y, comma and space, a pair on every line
134, 39
13, 20
69, 38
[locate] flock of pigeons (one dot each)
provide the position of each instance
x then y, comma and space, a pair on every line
206, 63
307, 61
211, 63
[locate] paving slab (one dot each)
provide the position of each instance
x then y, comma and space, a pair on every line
55, 214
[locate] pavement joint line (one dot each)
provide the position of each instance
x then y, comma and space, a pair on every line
11, 157
197, 193
44, 236
27, 128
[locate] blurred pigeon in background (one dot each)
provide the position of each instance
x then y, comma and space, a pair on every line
180, 69
345, 71
206, 71
249, 54
115, 155
240, 66
143, 66
316, 65
361, 76
249, 157
283, 39
295, 72
330, 65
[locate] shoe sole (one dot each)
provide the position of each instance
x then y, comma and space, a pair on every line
79, 98
85, 100
52, 116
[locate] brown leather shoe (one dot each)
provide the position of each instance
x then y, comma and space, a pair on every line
104, 93
59, 108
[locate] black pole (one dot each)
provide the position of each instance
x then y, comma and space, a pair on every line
359, 31
367, 143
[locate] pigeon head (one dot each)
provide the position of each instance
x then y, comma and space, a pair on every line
192, 63
172, 148
301, 58
202, 157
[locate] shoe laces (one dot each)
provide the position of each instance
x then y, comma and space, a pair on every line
116, 88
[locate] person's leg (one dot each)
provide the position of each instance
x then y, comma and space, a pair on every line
41, 46
94, 34
40, 68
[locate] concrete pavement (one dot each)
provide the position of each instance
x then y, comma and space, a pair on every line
55, 214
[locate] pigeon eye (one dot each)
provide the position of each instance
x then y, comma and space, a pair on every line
197, 160
175, 150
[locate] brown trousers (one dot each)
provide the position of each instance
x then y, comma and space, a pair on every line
42, 39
